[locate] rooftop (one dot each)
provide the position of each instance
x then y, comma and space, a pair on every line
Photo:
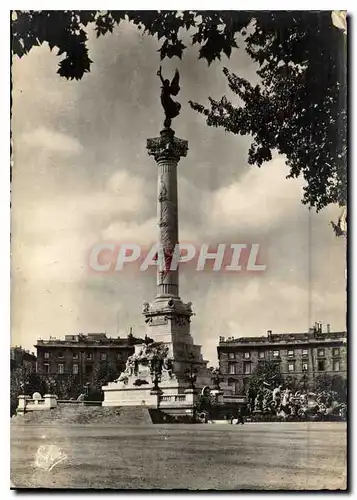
314, 334
91, 339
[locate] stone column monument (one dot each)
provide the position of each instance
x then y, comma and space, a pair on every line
167, 317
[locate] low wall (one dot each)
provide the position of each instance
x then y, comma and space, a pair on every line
36, 403
69, 402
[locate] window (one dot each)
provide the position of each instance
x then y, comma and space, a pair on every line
291, 353
89, 369
46, 367
304, 352
46, 355
247, 355
291, 367
103, 356
336, 366
246, 383
276, 354
75, 355
60, 354
261, 354
336, 351
231, 355
247, 368
75, 369
321, 352
60, 368
304, 367
89, 355
232, 368
321, 365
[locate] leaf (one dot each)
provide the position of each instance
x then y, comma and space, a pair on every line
175, 50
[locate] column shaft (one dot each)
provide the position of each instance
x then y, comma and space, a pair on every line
167, 215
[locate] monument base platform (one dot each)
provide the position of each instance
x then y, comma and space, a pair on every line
135, 386
114, 396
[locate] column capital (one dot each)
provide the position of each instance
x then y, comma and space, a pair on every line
167, 146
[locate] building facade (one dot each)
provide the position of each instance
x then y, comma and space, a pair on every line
301, 356
84, 355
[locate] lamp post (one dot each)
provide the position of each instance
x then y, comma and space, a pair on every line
156, 372
191, 373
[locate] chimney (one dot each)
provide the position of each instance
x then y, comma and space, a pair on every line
328, 328
269, 332
320, 327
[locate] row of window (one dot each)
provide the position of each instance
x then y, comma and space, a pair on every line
60, 368
247, 367
75, 368
336, 366
88, 356
291, 353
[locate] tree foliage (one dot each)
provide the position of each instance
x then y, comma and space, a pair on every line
266, 372
298, 109
205, 403
299, 106
66, 31
22, 381
332, 383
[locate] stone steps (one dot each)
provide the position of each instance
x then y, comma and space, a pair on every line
80, 414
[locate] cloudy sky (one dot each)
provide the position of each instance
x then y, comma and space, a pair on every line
82, 176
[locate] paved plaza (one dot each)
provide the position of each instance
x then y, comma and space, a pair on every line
218, 456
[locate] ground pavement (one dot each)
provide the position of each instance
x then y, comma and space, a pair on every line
217, 456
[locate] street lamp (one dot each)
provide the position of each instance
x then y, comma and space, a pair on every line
156, 372
191, 372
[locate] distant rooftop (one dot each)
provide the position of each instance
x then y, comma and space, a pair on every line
89, 339
316, 333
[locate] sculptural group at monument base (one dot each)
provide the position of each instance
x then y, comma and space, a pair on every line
150, 360
300, 404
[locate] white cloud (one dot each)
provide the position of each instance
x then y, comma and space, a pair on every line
44, 139
261, 199
132, 232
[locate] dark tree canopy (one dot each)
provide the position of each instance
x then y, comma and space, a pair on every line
298, 108
266, 372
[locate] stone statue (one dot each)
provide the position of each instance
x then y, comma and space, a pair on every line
277, 396
267, 400
146, 307
258, 402
171, 107
216, 378
123, 378
129, 368
168, 367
